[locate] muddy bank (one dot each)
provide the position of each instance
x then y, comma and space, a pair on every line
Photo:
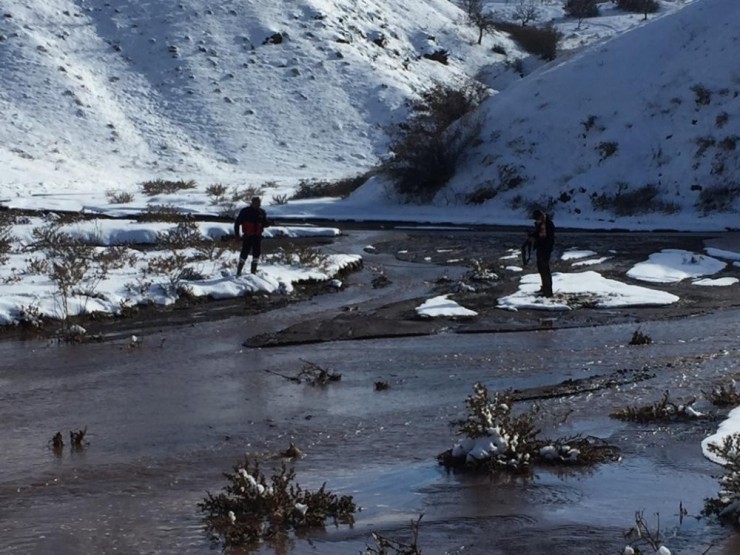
440, 259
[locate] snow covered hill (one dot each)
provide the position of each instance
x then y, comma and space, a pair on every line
98, 95
646, 122
113, 93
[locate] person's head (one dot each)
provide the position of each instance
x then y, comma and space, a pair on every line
256, 202
538, 215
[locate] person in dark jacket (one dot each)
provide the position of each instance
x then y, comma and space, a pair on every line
542, 239
249, 225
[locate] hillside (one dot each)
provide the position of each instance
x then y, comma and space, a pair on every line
117, 92
98, 96
648, 121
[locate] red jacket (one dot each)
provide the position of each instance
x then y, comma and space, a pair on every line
252, 221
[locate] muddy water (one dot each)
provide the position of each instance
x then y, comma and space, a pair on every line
167, 417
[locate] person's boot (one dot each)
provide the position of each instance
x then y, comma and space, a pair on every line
239, 268
254, 268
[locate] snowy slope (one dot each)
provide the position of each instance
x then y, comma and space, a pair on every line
664, 98
112, 93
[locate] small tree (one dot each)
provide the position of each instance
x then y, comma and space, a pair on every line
581, 9
526, 12
474, 14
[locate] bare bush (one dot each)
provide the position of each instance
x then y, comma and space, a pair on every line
165, 187
427, 147
724, 395
540, 41
251, 508
119, 197
72, 265
630, 202
299, 255
664, 410
162, 213
726, 505
6, 238
389, 546
718, 198
639, 338
317, 188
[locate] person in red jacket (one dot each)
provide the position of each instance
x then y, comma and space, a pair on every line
249, 225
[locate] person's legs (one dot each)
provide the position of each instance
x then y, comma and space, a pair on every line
256, 252
543, 267
246, 247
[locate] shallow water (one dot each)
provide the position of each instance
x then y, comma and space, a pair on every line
166, 418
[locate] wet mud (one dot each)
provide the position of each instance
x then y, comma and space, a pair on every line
168, 414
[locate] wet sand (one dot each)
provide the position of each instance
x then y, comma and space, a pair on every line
166, 417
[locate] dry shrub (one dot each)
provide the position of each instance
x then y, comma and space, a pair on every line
495, 440
165, 187
6, 238
726, 505
162, 213
293, 254
317, 188
540, 41
639, 338
119, 197
630, 202
251, 508
428, 146
664, 410
389, 546
718, 198
723, 395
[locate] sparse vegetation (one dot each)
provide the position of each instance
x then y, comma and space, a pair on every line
495, 440
388, 546
440, 55
639, 338
664, 410
162, 213
294, 254
6, 238
726, 505
427, 147
540, 41
251, 509
717, 198
119, 197
165, 187
724, 395
607, 149
638, 6
312, 374
316, 188
702, 95
630, 202
73, 266
642, 535
581, 9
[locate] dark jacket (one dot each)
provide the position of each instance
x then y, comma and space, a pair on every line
543, 236
251, 221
